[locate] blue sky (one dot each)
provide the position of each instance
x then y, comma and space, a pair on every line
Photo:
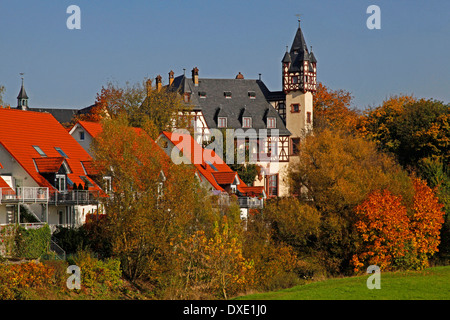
129, 40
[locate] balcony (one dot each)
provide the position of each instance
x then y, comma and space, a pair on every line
24, 195
251, 202
74, 197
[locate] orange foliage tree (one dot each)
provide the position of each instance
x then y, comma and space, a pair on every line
332, 108
426, 221
391, 237
383, 225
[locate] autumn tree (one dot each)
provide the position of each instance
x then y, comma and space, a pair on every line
394, 235
293, 222
153, 201
417, 132
144, 106
214, 267
410, 128
383, 226
336, 172
333, 108
426, 220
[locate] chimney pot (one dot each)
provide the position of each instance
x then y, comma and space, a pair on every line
195, 76
171, 73
158, 82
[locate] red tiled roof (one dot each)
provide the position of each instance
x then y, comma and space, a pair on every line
95, 128
21, 130
90, 168
224, 177
251, 191
49, 165
194, 152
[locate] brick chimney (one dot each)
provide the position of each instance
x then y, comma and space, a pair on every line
171, 73
195, 76
148, 85
158, 82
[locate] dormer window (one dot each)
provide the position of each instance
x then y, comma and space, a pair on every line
252, 94
246, 122
60, 182
187, 97
202, 94
222, 122
39, 150
227, 94
82, 136
271, 122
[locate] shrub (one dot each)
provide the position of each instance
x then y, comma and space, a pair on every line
17, 278
95, 272
31, 244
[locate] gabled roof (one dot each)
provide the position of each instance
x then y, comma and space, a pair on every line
21, 130
93, 128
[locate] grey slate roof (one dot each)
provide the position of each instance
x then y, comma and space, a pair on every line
62, 115
298, 53
233, 108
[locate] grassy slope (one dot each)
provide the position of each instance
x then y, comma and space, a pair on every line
429, 284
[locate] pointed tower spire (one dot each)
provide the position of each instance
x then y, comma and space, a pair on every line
22, 98
299, 65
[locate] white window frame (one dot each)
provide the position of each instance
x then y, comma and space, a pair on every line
220, 124
246, 122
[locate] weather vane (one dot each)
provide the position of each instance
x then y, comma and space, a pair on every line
298, 15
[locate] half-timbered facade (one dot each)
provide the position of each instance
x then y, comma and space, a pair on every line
272, 123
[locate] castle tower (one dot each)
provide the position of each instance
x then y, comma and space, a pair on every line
299, 82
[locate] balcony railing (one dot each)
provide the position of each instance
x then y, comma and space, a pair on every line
24, 195
79, 197
249, 202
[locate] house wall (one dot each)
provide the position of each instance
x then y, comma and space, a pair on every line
86, 143
12, 168
296, 122
280, 168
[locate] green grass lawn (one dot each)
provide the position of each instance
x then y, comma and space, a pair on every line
429, 284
